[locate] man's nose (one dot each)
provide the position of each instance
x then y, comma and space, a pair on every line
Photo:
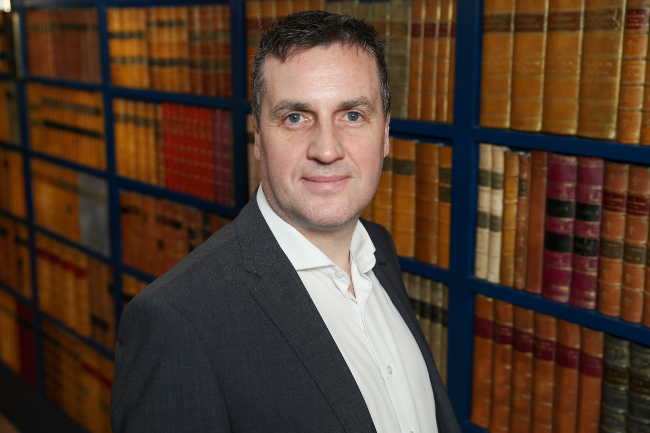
326, 145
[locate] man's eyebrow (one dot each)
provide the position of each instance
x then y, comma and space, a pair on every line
285, 106
360, 102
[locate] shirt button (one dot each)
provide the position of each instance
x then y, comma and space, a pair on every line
338, 274
389, 370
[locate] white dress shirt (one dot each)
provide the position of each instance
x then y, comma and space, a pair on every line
376, 344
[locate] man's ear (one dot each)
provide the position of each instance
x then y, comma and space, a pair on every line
386, 136
256, 134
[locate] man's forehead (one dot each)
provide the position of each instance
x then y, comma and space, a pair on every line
296, 54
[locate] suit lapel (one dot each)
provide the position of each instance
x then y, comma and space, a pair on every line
278, 290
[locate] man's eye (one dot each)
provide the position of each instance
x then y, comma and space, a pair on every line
295, 117
352, 116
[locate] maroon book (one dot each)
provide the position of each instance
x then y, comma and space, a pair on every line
559, 227
27, 343
586, 237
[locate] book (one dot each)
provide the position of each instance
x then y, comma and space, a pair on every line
403, 219
435, 314
567, 362
590, 382
482, 366
522, 370
444, 206
429, 57
544, 348
451, 85
425, 308
445, 334
496, 213
426, 202
639, 376
589, 198
501, 367
559, 227
12, 183
509, 229
529, 50
418, 13
382, 203
483, 210
443, 59
9, 109
616, 376
521, 240
398, 53
562, 68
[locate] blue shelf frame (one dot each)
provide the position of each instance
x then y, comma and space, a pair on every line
464, 134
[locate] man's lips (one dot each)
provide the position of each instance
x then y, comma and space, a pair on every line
325, 178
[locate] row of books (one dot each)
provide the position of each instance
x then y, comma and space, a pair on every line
174, 49
63, 44
67, 123
17, 344
183, 148
430, 301
76, 289
567, 68
158, 233
72, 204
12, 183
9, 109
7, 46
16, 264
574, 229
77, 378
536, 373
131, 286
421, 53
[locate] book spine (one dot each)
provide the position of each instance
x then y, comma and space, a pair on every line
633, 65
522, 370
501, 367
496, 213
415, 67
429, 55
404, 197
496, 67
435, 314
589, 198
591, 378
444, 206
426, 207
451, 85
529, 50
509, 230
559, 227
536, 221
645, 318
425, 308
544, 347
443, 60
445, 333
567, 361
635, 243
482, 367
483, 211
398, 62
521, 241
600, 69
638, 409
562, 69
616, 381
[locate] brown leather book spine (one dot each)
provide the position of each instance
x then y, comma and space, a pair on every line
529, 50
425, 308
509, 228
501, 367
382, 204
591, 379
522, 370
443, 59
426, 205
496, 67
635, 244
253, 36
537, 214
415, 67
444, 206
404, 197
567, 360
633, 65
398, 55
483, 211
482, 367
451, 86
521, 236
562, 70
612, 230
601, 68
429, 55
435, 314
543, 373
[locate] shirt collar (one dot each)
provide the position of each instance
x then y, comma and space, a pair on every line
302, 253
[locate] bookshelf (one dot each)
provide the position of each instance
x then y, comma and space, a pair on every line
464, 134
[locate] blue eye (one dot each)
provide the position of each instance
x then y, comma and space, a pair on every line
295, 118
352, 116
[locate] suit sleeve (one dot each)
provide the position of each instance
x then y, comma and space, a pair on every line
163, 381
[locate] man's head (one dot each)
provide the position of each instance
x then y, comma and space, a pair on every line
321, 116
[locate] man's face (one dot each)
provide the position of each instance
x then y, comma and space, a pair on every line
322, 135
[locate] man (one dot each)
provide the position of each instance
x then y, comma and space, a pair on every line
293, 318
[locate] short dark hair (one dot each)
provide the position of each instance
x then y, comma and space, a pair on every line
304, 30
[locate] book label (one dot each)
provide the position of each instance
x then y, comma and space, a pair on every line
567, 356
430, 29
636, 19
544, 349
588, 212
560, 208
502, 334
497, 23
564, 21
591, 365
416, 30
483, 327
637, 206
557, 242
603, 19
522, 341
615, 201
530, 22
586, 247
425, 310
639, 384
619, 376
634, 254
611, 249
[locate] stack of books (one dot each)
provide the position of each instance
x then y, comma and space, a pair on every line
17, 344
16, 265
12, 183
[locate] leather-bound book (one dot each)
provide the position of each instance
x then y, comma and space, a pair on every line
496, 66
636, 237
586, 236
600, 71
591, 379
452, 65
415, 68
496, 213
645, 319
425, 308
483, 212
612, 230
429, 55
559, 226
543, 373
444, 342
616, 381
398, 53
509, 229
444, 206
633, 65
529, 50
426, 202
536, 220
382, 204
501, 367
567, 360
435, 314
638, 408
253, 35
521, 240
443, 59
522, 370
404, 197
562, 70
482, 367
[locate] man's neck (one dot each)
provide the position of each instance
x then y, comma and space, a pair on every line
334, 242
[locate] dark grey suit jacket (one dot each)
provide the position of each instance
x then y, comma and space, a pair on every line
230, 340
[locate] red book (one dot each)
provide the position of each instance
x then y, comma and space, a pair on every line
559, 226
183, 145
589, 198
27, 343
170, 179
